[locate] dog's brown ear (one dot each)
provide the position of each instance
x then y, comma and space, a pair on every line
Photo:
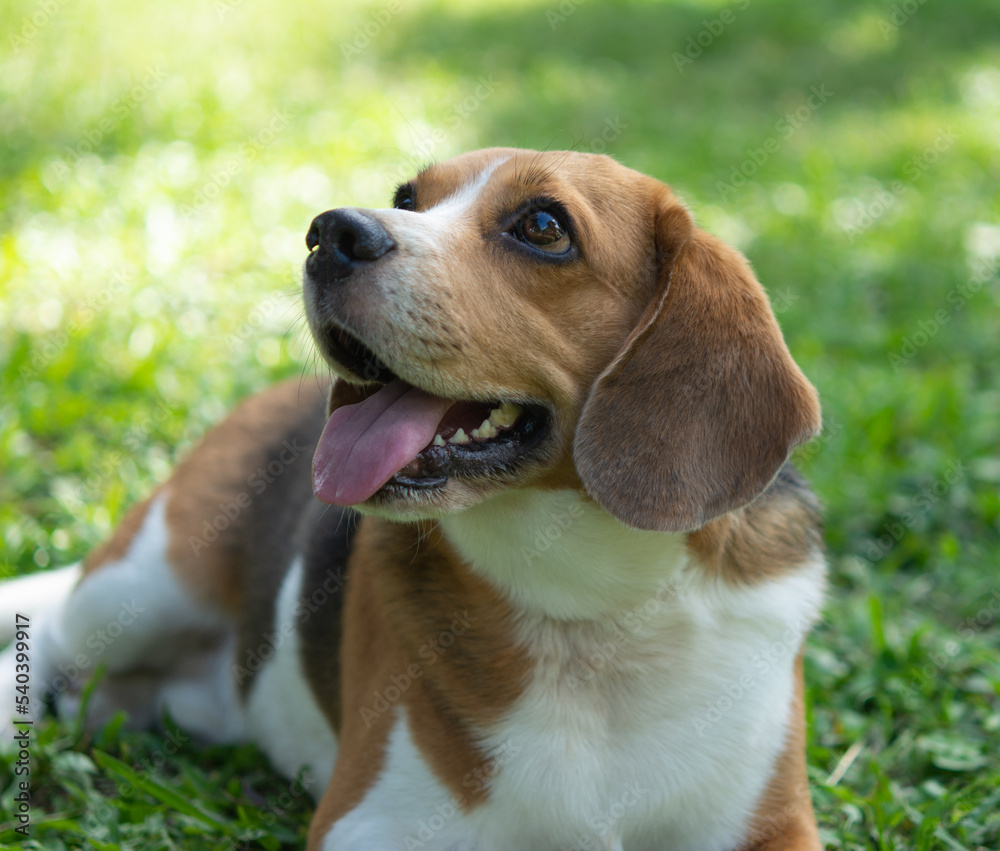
703, 404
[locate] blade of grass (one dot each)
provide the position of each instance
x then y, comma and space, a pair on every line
162, 793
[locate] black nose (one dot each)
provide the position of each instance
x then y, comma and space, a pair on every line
341, 240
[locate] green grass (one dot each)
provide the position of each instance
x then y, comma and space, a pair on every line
160, 164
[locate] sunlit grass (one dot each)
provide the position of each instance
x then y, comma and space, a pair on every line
160, 163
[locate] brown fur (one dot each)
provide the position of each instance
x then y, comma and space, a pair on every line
217, 474
674, 405
407, 594
429, 596
673, 395
367, 661
704, 403
420, 599
776, 533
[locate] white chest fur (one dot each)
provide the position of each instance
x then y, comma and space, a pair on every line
658, 703
658, 729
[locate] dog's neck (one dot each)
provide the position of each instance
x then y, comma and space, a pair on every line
557, 554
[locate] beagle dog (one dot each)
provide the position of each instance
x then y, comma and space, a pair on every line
534, 574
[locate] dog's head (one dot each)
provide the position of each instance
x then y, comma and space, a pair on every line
546, 319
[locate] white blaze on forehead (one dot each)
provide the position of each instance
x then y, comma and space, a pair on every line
436, 221
426, 235
464, 199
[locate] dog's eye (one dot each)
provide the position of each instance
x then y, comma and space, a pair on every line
404, 199
544, 231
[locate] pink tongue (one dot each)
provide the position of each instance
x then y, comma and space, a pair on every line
365, 445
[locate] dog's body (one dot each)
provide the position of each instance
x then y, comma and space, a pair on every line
577, 624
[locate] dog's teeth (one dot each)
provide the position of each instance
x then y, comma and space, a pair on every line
438, 440
505, 416
485, 431
459, 437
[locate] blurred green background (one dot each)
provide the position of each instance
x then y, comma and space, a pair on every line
159, 166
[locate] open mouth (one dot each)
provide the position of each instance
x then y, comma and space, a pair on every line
348, 351
400, 437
